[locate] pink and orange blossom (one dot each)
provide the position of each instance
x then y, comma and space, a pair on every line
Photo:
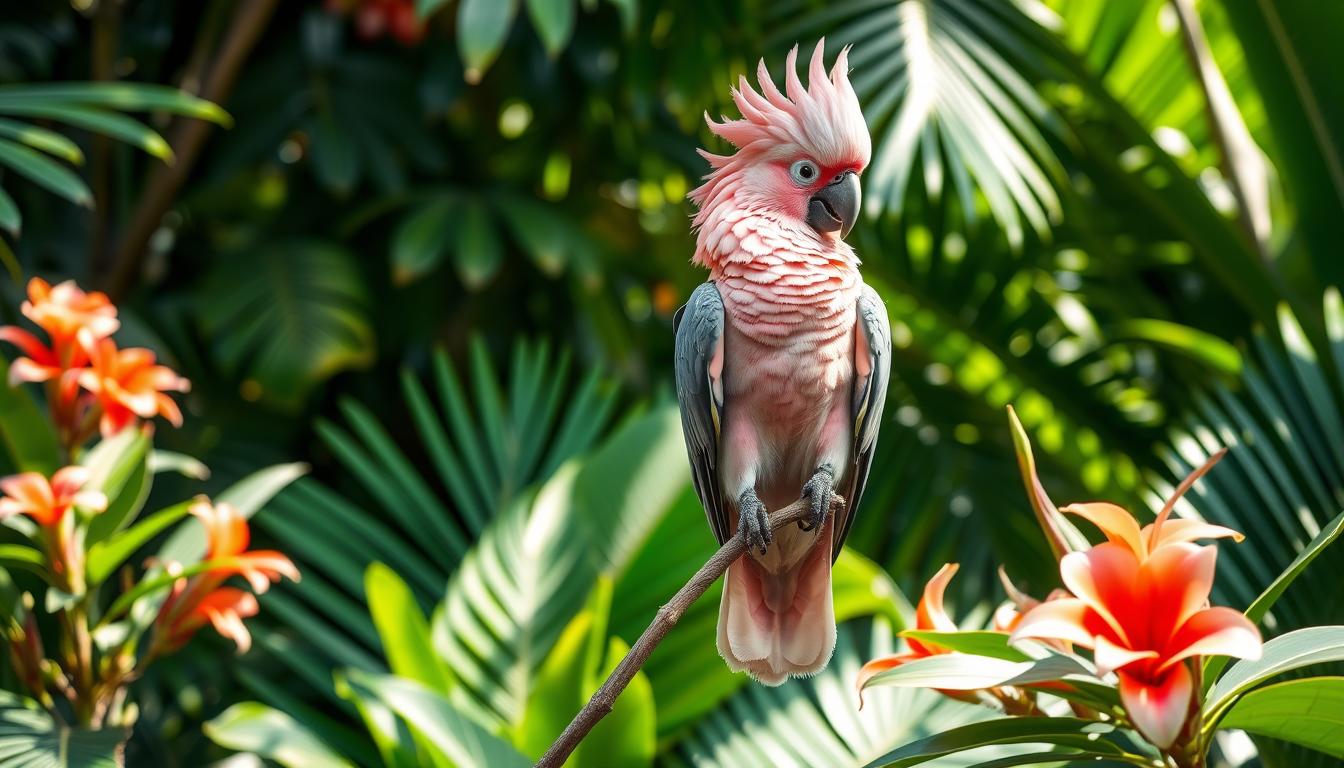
47, 502
1140, 602
127, 383
72, 319
203, 598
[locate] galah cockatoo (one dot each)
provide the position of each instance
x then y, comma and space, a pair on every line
783, 359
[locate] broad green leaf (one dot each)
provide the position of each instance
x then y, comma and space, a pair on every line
25, 430
45, 172
963, 672
1215, 665
29, 736
188, 543
403, 630
1309, 712
118, 468
462, 740
284, 317
557, 693
861, 587
42, 139
482, 26
554, 22
107, 556
392, 737
972, 642
1302, 648
258, 729
122, 96
1091, 739
480, 254
422, 238
628, 735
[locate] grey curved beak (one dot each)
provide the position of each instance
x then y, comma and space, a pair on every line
836, 206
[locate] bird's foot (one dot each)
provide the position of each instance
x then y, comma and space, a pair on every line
819, 492
754, 520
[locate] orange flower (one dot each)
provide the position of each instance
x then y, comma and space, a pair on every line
46, 502
128, 384
929, 615
1140, 602
204, 598
73, 321
1121, 528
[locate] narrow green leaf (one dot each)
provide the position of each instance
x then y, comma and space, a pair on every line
42, 139
123, 96
23, 556
109, 124
1284, 653
118, 468
184, 465
1191, 342
106, 556
1092, 739
403, 630
335, 158
482, 26
1061, 534
45, 172
973, 642
25, 430
964, 672
1309, 712
253, 727
12, 221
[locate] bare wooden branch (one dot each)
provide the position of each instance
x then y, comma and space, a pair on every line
599, 706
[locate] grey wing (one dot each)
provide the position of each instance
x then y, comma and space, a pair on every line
699, 371
872, 365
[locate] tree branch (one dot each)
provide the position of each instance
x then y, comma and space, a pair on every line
249, 21
599, 706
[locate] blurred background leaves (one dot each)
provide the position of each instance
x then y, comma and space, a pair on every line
437, 252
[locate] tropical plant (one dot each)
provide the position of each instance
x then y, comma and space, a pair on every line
78, 638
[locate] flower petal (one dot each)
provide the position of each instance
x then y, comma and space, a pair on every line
1177, 530
1064, 619
1177, 580
1214, 632
1117, 523
930, 613
1106, 578
1158, 709
68, 480
1110, 657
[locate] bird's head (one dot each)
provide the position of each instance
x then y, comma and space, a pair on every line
799, 153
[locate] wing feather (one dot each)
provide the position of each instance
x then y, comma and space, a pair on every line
699, 354
872, 350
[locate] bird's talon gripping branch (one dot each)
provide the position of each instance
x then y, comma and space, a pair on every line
753, 517
818, 491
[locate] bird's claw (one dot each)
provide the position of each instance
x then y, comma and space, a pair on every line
818, 491
754, 520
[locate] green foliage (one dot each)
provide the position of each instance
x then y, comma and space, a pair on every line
272, 734
29, 737
1309, 712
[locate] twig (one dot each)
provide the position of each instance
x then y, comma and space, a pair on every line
249, 21
599, 706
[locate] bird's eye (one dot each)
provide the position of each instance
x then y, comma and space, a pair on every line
804, 172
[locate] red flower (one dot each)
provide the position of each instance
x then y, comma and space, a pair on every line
929, 615
72, 319
204, 598
46, 502
127, 384
1141, 604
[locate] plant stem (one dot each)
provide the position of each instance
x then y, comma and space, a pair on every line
599, 706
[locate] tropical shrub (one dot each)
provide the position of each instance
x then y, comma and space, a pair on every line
84, 619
